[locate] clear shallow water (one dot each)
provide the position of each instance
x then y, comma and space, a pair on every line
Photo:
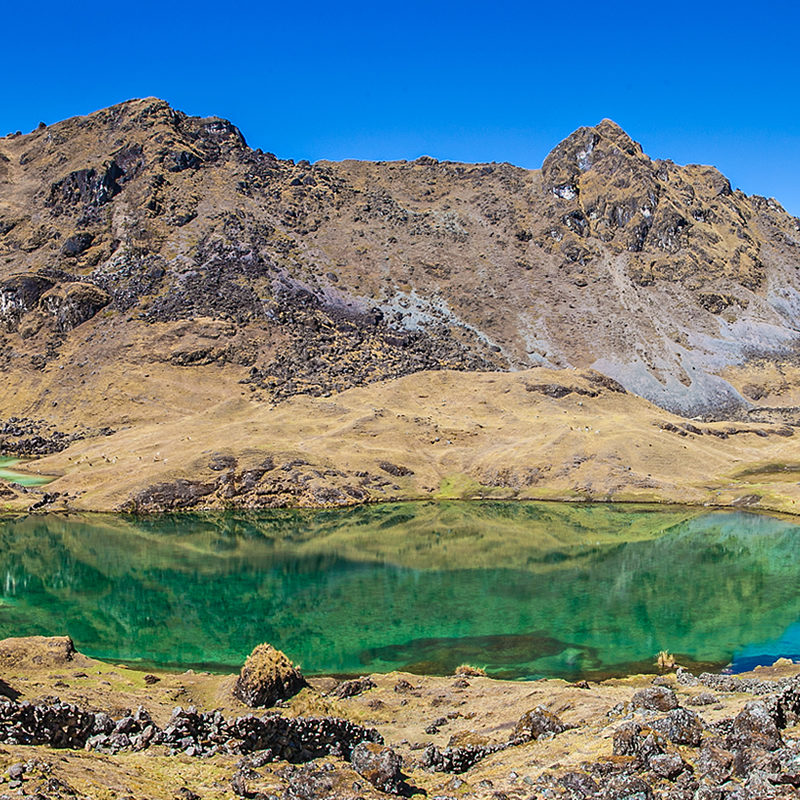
521, 589
22, 478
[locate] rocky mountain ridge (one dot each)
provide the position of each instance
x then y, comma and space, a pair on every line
316, 278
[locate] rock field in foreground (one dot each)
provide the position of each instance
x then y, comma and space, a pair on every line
671, 736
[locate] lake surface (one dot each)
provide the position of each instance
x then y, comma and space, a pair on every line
520, 589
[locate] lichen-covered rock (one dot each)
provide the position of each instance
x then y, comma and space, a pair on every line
625, 787
536, 723
702, 699
633, 739
379, 765
680, 726
667, 765
753, 726
784, 707
267, 677
656, 698
352, 688
715, 762
456, 759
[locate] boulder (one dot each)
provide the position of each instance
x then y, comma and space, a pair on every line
536, 723
714, 762
352, 688
379, 765
7, 691
753, 726
680, 726
625, 787
267, 677
578, 784
703, 699
667, 765
77, 244
655, 698
632, 739
18, 295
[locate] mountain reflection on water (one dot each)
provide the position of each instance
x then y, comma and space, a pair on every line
521, 589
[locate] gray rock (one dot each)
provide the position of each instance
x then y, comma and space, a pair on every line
680, 726
753, 726
379, 765
656, 698
536, 723
667, 765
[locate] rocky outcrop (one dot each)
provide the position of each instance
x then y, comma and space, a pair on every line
69, 304
73, 304
169, 496
37, 651
352, 688
19, 295
267, 677
656, 698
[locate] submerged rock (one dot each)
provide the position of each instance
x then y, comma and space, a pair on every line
267, 677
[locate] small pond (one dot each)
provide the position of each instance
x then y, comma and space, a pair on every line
22, 478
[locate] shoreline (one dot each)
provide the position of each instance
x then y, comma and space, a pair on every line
462, 735
643, 505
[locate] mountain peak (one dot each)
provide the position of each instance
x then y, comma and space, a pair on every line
154, 215
587, 147
608, 129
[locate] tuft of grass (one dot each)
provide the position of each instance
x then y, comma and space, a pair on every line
470, 671
665, 660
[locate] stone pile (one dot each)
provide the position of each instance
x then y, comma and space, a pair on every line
189, 731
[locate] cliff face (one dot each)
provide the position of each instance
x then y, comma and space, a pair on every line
140, 233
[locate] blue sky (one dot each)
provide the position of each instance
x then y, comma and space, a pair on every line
706, 82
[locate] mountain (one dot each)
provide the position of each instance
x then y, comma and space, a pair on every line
153, 266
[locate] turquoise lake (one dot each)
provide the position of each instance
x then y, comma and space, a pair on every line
521, 589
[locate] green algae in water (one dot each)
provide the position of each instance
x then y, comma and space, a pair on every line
22, 478
521, 589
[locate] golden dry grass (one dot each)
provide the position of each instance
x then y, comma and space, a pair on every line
476, 435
